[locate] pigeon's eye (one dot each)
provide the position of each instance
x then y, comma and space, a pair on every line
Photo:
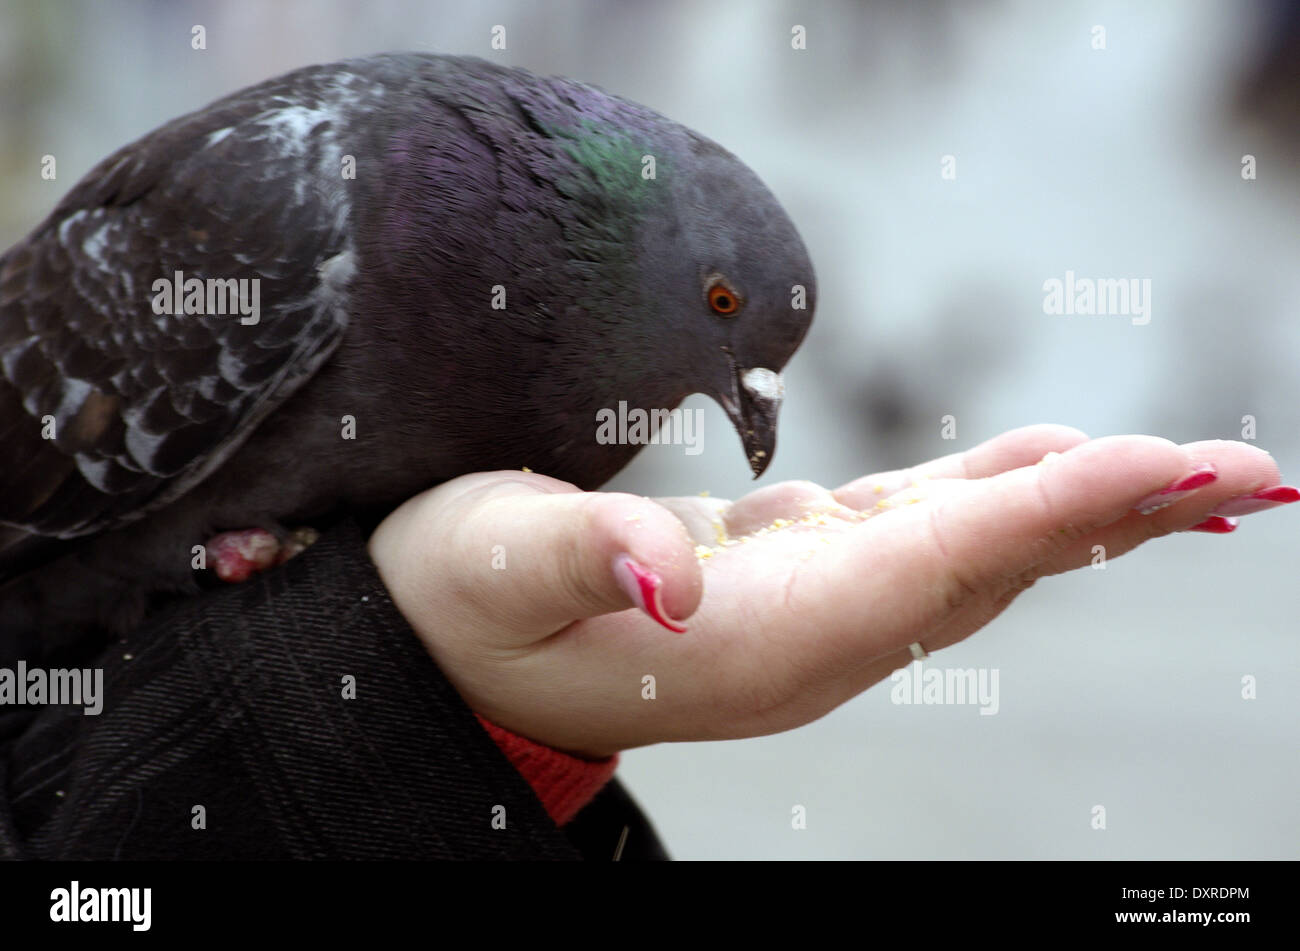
723, 299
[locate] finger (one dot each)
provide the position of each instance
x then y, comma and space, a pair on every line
704, 517
784, 502
713, 522
1010, 450
975, 539
1242, 471
538, 558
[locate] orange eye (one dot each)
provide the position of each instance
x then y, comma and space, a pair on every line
723, 300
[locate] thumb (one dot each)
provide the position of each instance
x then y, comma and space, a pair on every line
532, 555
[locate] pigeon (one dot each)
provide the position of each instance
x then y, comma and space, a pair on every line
332, 290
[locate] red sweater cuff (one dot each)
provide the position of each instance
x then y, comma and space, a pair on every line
563, 783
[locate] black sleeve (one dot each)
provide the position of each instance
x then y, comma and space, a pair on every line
235, 702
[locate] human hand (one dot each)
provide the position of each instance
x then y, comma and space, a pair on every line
799, 598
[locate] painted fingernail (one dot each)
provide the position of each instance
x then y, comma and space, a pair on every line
645, 588
1259, 501
1215, 525
1201, 476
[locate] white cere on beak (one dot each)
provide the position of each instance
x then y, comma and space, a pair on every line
763, 384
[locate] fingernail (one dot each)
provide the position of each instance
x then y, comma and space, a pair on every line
1215, 525
1201, 476
1259, 501
644, 587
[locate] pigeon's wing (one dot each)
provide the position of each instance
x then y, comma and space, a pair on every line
113, 399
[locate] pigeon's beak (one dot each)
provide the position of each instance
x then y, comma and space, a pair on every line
753, 405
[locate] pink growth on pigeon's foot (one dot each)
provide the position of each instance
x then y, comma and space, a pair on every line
235, 556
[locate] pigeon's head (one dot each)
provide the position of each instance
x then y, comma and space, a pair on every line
733, 284
698, 276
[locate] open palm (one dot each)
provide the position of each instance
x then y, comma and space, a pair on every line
798, 598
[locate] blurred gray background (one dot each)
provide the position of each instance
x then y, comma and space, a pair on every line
1119, 688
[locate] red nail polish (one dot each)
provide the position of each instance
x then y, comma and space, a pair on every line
1259, 501
645, 588
1201, 476
1215, 525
